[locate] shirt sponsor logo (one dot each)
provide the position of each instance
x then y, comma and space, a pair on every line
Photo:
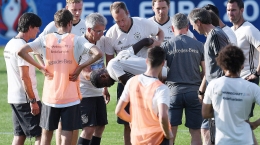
64, 61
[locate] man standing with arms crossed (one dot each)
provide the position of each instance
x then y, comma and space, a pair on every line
216, 40
61, 52
184, 56
248, 39
162, 19
149, 101
93, 104
126, 32
22, 85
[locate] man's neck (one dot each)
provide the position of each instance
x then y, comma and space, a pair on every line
152, 72
161, 21
239, 23
208, 28
23, 36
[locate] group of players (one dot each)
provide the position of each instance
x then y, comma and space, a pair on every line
69, 48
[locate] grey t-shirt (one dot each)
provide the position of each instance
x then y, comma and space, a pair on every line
183, 55
216, 40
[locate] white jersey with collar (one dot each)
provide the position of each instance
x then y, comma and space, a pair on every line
167, 29
248, 39
126, 62
77, 29
231, 35
86, 87
232, 100
119, 40
16, 91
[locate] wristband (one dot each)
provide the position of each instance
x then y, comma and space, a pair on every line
200, 93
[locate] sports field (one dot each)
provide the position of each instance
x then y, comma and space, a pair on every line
113, 134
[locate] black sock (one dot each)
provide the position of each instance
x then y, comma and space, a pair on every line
83, 141
95, 140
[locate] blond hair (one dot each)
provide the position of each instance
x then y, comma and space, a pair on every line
73, 1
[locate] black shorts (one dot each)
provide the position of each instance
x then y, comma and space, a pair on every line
70, 117
24, 122
188, 102
120, 89
256, 81
93, 111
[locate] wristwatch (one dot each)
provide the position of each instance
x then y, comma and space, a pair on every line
200, 93
32, 101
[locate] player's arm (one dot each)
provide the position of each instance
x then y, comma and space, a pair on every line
39, 59
207, 111
27, 84
108, 58
164, 120
96, 54
120, 111
254, 124
144, 42
24, 53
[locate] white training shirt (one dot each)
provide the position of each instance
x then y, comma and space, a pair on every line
128, 63
16, 92
231, 35
248, 36
77, 29
86, 87
161, 95
81, 46
232, 100
167, 29
118, 40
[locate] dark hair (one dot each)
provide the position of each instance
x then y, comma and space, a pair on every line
200, 14
95, 77
167, 1
231, 58
63, 17
214, 18
212, 8
27, 20
156, 56
118, 5
240, 3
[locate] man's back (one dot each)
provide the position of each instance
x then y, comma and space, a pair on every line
184, 56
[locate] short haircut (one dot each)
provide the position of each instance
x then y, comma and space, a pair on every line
94, 19
116, 6
95, 77
73, 1
231, 58
156, 56
212, 8
240, 3
27, 20
63, 17
167, 1
200, 14
180, 21
214, 18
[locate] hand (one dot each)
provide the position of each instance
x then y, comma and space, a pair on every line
155, 43
74, 76
201, 98
169, 135
34, 108
46, 73
106, 95
253, 125
251, 77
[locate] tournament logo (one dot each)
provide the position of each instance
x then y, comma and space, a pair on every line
119, 42
11, 10
137, 36
82, 31
170, 30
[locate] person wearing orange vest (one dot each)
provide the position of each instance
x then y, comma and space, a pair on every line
61, 53
149, 101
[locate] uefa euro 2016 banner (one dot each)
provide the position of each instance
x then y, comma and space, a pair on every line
11, 10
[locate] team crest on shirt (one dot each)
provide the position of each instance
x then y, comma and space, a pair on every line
84, 118
119, 43
170, 30
82, 31
59, 40
137, 36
